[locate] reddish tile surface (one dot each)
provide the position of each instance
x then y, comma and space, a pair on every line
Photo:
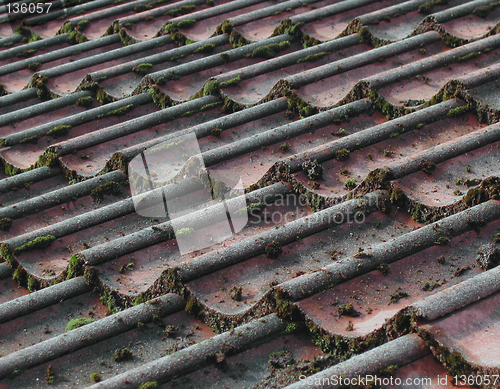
383, 100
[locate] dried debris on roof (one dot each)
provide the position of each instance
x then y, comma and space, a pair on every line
366, 136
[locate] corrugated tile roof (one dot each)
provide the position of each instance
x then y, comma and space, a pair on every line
365, 135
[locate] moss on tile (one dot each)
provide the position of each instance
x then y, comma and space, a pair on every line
269, 51
428, 8
34, 65
237, 40
109, 188
85, 101
5, 223
231, 82
109, 299
142, 7
142, 68
126, 39
224, 28
342, 155
32, 284
312, 57
206, 48
148, 385
75, 267
193, 306
185, 9
273, 250
40, 242
211, 88
142, 298
82, 25
469, 56
210, 106
79, 322
350, 184
103, 97
186, 23
485, 10
22, 30
119, 111
76, 37
48, 158
161, 100
95, 377
59, 131
287, 27
309, 41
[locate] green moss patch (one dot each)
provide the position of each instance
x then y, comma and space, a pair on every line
33, 66
206, 48
85, 102
59, 131
119, 111
269, 51
231, 82
76, 323
312, 57
186, 23
211, 88
41, 242
142, 68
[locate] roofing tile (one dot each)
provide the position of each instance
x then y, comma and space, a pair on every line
328, 111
